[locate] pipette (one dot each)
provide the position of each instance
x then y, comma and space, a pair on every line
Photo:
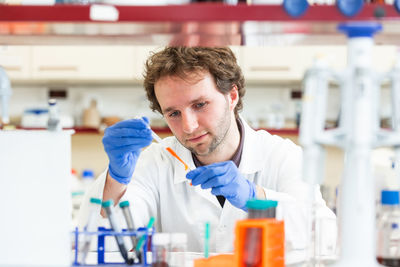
206, 240
170, 150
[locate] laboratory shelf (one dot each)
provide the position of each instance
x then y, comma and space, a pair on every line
206, 24
200, 12
78, 130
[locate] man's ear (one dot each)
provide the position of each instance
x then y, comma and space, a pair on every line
233, 97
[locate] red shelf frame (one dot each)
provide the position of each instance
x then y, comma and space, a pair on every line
201, 12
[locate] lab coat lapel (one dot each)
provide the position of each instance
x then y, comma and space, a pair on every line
180, 173
252, 156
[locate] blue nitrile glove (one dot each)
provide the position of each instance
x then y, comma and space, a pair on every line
123, 143
224, 179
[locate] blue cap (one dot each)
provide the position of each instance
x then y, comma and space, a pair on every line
390, 197
36, 111
295, 8
261, 204
349, 8
360, 29
87, 174
107, 203
397, 5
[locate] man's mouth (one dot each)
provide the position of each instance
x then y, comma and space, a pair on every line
197, 139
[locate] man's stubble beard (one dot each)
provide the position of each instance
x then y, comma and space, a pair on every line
218, 139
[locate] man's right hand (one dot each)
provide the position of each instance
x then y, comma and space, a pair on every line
123, 143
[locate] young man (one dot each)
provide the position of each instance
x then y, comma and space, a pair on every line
199, 92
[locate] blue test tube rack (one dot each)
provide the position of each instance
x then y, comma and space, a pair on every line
102, 233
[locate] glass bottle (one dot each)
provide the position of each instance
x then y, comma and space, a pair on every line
160, 248
388, 239
53, 123
178, 249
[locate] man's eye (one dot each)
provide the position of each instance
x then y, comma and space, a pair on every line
200, 105
173, 114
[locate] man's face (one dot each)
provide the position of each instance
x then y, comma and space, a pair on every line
196, 112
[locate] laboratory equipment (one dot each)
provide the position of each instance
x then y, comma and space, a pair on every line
178, 249
5, 93
53, 123
358, 133
143, 238
35, 192
170, 150
108, 206
101, 234
269, 244
91, 117
206, 239
95, 204
160, 242
124, 205
87, 178
388, 238
217, 260
261, 208
257, 209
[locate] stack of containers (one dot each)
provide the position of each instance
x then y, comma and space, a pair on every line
260, 240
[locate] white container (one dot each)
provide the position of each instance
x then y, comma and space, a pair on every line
178, 249
388, 238
35, 198
160, 249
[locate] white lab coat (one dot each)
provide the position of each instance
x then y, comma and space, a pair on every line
159, 188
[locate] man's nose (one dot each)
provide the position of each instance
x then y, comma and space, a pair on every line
189, 122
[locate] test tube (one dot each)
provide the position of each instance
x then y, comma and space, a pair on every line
124, 205
108, 206
90, 227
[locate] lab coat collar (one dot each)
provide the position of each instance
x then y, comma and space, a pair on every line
252, 156
251, 162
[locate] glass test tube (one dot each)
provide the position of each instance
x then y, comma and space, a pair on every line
90, 227
108, 206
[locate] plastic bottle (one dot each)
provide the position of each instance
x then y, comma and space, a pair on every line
91, 115
77, 192
178, 249
388, 247
87, 178
160, 242
53, 123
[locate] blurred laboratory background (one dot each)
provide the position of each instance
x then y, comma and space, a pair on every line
96, 86
79, 65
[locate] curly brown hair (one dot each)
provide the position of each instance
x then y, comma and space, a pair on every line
183, 61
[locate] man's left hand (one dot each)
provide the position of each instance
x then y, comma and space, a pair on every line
224, 179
